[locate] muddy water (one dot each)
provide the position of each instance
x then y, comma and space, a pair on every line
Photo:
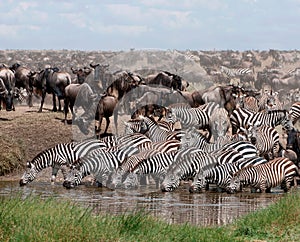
210, 208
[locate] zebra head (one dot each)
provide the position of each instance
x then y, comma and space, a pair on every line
171, 182
131, 181
29, 174
116, 179
199, 183
73, 178
234, 183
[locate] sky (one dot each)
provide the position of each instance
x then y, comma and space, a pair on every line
113, 25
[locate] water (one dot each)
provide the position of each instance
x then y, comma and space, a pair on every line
205, 209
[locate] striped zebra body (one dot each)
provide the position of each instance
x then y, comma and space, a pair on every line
58, 157
141, 141
294, 112
189, 117
245, 148
265, 139
233, 72
185, 168
155, 165
98, 164
193, 138
222, 174
279, 171
154, 132
128, 166
242, 117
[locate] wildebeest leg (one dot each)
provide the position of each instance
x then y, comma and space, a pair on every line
107, 124
42, 102
116, 121
98, 127
54, 102
66, 109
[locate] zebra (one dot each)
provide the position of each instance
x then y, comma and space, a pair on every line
280, 171
128, 165
294, 112
192, 117
233, 72
265, 139
99, 164
219, 123
57, 157
242, 117
251, 103
221, 175
154, 131
155, 165
269, 101
185, 168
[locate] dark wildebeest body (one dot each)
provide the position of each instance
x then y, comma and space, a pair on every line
80, 95
23, 80
51, 81
107, 104
167, 79
7, 87
293, 142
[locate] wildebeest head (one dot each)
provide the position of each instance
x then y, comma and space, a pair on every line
7, 94
81, 73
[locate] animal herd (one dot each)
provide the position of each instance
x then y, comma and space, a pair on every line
225, 135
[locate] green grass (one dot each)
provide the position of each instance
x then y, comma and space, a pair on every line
34, 219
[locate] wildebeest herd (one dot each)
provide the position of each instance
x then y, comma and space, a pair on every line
227, 135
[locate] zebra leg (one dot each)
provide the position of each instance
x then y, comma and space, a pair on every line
54, 174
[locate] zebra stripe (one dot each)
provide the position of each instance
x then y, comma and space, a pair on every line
98, 164
221, 175
188, 117
265, 139
232, 72
242, 117
185, 168
294, 112
279, 171
58, 156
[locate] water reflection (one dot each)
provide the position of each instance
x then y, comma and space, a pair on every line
205, 209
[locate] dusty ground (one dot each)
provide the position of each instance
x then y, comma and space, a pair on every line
38, 131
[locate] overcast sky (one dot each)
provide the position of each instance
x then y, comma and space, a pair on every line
150, 24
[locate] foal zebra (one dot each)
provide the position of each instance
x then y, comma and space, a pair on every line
280, 171
58, 156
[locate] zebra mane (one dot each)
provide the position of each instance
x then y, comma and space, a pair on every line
242, 170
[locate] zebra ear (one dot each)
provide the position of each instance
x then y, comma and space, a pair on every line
28, 164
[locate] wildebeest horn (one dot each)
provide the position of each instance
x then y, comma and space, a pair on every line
94, 66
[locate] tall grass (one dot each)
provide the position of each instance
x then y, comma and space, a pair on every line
34, 219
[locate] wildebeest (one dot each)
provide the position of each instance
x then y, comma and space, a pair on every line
81, 74
167, 79
7, 85
225, 96
80, 95
102, 76
293, 142
108, 102
23, 80
51, 81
